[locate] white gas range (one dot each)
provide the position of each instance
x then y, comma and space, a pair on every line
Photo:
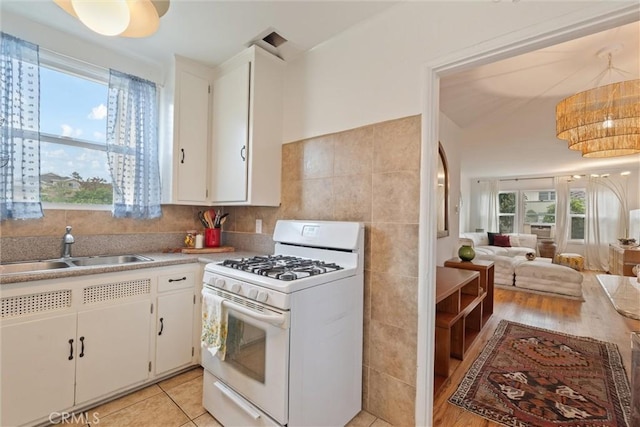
296, 321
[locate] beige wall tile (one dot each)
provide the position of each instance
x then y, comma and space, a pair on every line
365, 388
292, 161
317, 157
393, 400
178, 219
393, 351
52, 224
394, 300
396, 197
317, 199
352, 197
291, 200
367, 318
394, 249
94, 222
354, 152
396, 145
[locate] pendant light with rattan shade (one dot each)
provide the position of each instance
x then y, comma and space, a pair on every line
603, 121
125, 18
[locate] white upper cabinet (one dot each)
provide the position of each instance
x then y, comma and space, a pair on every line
189, 164
247, 130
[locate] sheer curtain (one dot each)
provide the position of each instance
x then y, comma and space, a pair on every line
132, 146
485, 206
604, 221
561, 185
20, 120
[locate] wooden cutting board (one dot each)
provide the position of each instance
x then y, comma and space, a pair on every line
208, 250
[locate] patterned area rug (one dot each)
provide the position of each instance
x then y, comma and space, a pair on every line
527, 376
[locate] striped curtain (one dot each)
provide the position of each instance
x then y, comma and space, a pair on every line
20, 120
132, 146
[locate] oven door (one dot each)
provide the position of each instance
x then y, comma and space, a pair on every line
256, 364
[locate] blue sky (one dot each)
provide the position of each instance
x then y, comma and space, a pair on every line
73, 107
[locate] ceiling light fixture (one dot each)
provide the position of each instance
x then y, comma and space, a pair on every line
603, 121
126, 18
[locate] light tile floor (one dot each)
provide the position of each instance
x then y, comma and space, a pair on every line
174, 402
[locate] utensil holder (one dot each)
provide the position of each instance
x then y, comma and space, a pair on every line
212, 237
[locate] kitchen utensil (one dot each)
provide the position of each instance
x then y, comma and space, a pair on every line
202, 220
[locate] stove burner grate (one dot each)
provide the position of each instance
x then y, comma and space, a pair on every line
281, 267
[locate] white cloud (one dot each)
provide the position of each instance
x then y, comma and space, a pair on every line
98, 113
70, 131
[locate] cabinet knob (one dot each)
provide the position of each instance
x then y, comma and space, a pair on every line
182, 160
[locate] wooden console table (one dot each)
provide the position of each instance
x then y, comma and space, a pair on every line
622, 259
487, 271
459, 315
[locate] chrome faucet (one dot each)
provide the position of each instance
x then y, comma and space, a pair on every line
67, 241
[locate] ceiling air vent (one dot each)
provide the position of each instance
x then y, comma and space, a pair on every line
274, 43
274, 39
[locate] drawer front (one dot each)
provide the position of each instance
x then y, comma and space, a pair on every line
175, 281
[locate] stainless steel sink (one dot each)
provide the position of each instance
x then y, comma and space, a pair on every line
25, 267
108, 260
105, 260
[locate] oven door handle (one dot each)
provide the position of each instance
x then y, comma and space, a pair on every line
231, 395
275, 319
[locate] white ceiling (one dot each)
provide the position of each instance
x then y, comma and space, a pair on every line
213, 31
506, 109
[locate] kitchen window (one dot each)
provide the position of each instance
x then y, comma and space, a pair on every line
73, 120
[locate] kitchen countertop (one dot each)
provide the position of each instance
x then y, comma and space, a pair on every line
159, 260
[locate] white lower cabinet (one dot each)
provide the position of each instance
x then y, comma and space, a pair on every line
174, 342
38, 368
175, 320
112, 349
70, 343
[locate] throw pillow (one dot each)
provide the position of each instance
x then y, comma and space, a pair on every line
491, 235
514, 241
500, 240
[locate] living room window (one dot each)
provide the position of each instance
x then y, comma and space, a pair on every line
507, 214
539, 207
577, 209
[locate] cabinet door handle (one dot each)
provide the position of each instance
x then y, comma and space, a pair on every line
81, 347
182, 161
161, 325
71, 349
177, 280
242, 152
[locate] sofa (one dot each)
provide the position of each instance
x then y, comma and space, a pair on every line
512, 269
503, 257
517, 244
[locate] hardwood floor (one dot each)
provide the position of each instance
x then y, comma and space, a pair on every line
595, 317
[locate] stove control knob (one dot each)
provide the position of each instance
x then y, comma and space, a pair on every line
262, 296
253, 293
219, 283
235, 288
